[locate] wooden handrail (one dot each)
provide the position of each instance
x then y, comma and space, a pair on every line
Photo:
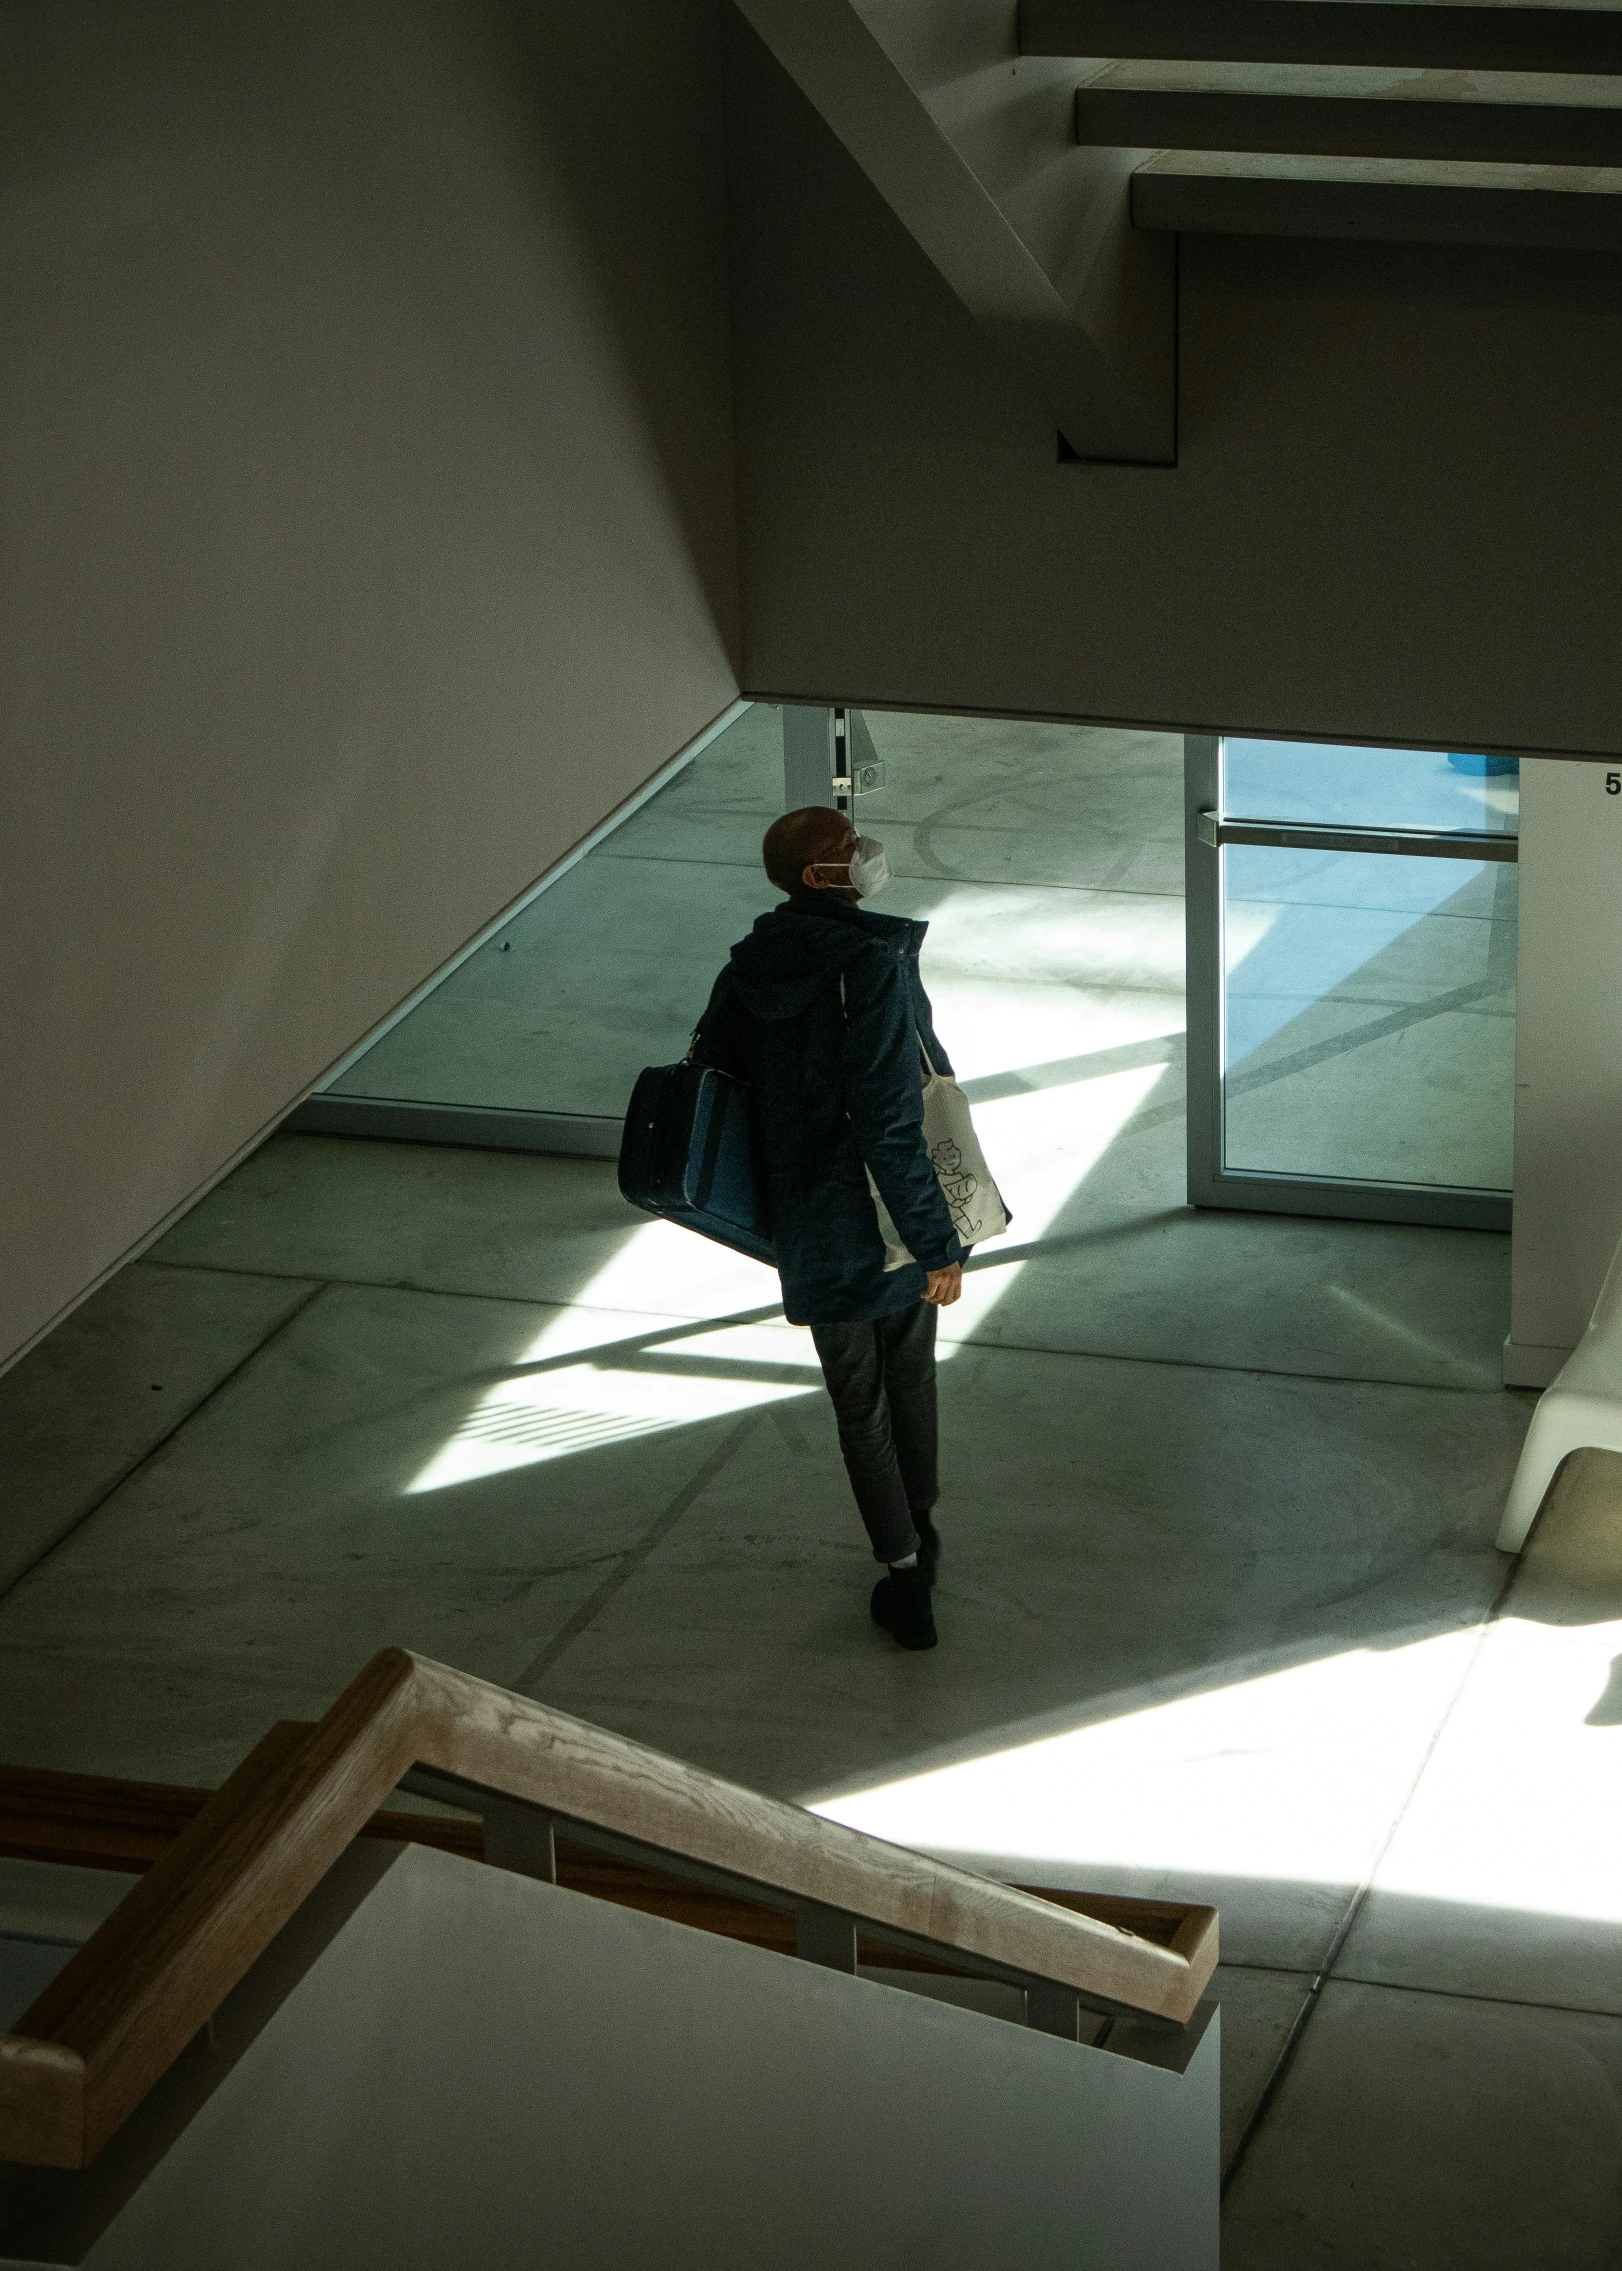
135, 1994
104, 1821
96, 1821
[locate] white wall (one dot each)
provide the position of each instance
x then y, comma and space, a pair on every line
1568, 1062
438, 2066
366, 510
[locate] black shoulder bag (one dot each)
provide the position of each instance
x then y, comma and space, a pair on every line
689, 1153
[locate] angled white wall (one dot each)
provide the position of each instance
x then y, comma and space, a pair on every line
366, 502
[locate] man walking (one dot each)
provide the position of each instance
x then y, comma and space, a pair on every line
827, 1019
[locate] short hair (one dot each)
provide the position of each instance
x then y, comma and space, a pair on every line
800, 839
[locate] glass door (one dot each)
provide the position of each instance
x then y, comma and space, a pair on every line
1351, 966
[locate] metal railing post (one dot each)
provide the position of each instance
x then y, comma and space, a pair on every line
823, 1935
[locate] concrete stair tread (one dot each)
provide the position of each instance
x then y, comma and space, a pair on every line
1396, 173
1359, 83
1501, 118
1449, 35
1421, 200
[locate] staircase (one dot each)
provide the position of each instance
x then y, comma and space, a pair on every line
608, 2009
1404, 120
1047, 154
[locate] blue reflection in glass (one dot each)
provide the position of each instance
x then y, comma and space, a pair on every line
1350, 786
1369, 996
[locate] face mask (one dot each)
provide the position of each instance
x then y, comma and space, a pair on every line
868, 866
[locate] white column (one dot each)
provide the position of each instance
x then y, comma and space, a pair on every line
1568, 1060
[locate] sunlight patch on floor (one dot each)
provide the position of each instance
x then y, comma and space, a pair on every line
1004, 934
1041, 1148
660, 1269
567, 1408
1291, 1775
1014, 1030
1522, 1804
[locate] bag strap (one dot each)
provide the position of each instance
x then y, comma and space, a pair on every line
720, 992
713, 1135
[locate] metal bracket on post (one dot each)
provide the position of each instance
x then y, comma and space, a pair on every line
867, 767
825, 1936
1053, 2009
520, 1838
858, 767
828, 757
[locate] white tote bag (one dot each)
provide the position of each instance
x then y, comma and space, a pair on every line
965, 1179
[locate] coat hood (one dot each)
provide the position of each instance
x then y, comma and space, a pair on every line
796, 950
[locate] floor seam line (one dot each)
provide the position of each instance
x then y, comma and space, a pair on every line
1355, 1906
1273, 2084
134, 1468
680, 1323
633, 1558
450, 1292
1470, 1995
1200, 1364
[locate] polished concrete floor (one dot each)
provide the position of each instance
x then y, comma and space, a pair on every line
1232, 1629
1221, 1612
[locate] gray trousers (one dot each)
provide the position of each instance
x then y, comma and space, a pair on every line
881, 1376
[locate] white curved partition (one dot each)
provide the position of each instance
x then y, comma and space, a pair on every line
1580, 1410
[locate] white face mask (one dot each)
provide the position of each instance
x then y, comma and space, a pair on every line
868, 866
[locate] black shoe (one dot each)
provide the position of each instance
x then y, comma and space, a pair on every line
929, 1546
901, 1604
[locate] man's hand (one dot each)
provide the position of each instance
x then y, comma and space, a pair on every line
943, 1286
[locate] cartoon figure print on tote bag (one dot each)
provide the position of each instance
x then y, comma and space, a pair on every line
960, 1166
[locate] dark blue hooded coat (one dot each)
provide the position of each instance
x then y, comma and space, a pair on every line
837, 1089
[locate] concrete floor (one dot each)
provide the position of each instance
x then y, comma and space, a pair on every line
1221, 1613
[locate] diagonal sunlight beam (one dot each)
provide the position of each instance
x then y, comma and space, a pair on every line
1091, 967
1519, 1803
1295, 1777
534, 1417
1041, 1147
1281, 1775
1129, 1056
579, 1388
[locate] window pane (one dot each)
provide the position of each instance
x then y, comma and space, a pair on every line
1369, 1026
